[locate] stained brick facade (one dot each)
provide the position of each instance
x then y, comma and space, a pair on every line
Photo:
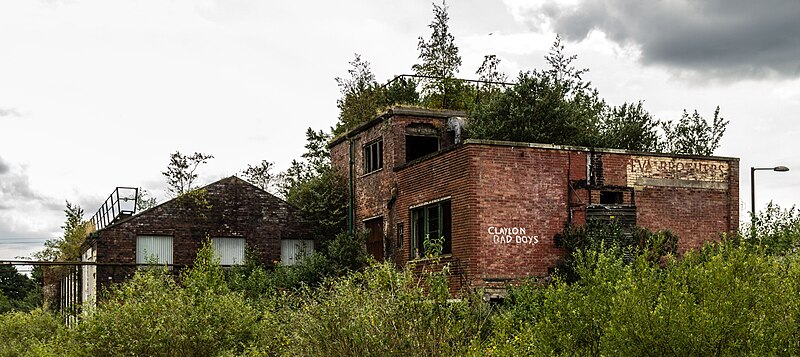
508, 202
235, 209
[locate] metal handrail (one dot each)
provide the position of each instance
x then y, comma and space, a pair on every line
112, 208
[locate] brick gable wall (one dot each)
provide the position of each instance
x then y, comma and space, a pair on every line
238, 209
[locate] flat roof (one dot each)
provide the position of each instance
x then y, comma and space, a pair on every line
588, 149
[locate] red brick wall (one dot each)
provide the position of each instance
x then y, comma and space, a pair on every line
451, 174
238, 209
536, 189
696, 215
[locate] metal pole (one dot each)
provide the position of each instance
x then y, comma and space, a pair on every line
753, 193
752, 202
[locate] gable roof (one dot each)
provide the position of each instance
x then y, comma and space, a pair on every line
211, 189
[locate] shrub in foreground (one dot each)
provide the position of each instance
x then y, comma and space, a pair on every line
378, 311
723, 300
151, 315
23, 333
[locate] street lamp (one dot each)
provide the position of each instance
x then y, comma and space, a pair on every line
753, 191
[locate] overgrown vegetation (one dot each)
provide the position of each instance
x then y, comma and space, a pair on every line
730, 298
18, 292
312, 185
612, 238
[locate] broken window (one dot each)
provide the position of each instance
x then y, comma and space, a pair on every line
229, 250
430, 222
419, 146
373, 156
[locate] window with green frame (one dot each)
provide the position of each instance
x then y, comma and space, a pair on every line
430, 221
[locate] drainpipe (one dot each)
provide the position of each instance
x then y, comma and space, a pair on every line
351, 204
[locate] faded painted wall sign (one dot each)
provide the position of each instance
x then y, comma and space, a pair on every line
512, 235
677, 172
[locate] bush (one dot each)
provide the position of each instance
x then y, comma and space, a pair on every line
378, 311
152, 315
25, 333
775, 230
611, 237
723, 300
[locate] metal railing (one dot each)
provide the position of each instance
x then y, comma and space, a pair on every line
120, 204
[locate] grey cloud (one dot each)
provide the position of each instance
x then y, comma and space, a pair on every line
4, 168
15, 191
9, 112
17, 187
718, 39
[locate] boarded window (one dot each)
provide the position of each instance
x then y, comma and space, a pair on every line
154, 249
373, 156
430, 222
294, 250
229, 250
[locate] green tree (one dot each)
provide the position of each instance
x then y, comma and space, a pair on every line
554, 106
180, 171
68, 247
313, 186
261, 175
492, 80
629, 127
439, 63
17, 291
401, 90
360, 98
693, 135
557, 106
775, 230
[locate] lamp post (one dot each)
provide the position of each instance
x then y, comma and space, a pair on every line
753, 192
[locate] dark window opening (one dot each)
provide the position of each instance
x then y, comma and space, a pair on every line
432, 222
611, 197
373, 156
419, 146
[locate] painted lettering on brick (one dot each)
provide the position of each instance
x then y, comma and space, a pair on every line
670, 171
511, 235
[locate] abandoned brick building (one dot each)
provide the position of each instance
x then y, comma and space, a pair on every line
231, 212
501, 205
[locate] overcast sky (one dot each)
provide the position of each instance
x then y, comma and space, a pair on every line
97, 94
